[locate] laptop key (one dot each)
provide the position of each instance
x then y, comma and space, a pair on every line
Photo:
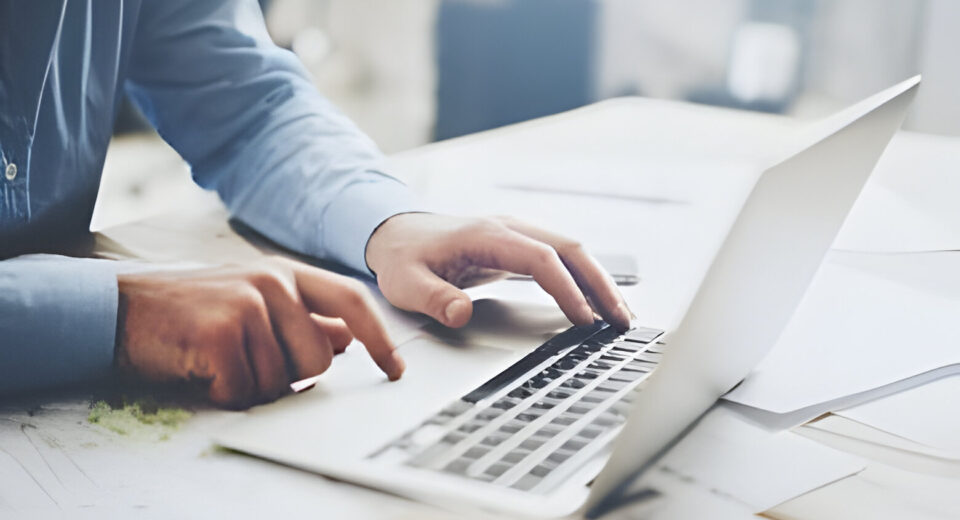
602, 366
515, 456
458, 466
563, 420
657, 348
520, 393
497, 469
494, 439
626, 376
526, 482
558, 394
642, 335
541, 471
611, 385
574, 383
489, 414
560, 456
476, 452
512, 427
532, 444
470, 427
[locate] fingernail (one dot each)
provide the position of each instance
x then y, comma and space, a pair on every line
624, 313
452, 310
587, 313
399, 366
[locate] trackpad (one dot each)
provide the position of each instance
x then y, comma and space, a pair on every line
507, 325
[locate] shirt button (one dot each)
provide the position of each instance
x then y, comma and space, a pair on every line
11, 172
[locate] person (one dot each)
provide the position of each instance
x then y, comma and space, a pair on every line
244, 114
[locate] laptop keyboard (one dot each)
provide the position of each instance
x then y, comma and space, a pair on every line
539, 420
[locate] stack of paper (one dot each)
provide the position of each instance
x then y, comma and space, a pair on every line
869, 325
923, 414
881, 316
910, 204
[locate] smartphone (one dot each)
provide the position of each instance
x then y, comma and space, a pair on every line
623, 269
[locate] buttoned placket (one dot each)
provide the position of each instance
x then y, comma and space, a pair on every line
9, 169
13, 189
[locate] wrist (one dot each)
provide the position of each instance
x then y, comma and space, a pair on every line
378, 245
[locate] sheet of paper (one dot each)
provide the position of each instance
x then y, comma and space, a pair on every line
923, 414
868, 320
879, 493
759, 468
910, 202
877, 445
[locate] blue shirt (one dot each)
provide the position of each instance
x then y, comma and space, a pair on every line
241, 111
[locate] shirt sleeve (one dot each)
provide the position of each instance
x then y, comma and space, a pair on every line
58, 320
246, 117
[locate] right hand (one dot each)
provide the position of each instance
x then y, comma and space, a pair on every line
246, 332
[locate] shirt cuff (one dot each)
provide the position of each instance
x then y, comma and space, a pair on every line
356, 212
59, 319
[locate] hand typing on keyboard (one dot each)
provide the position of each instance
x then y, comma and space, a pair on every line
423, 260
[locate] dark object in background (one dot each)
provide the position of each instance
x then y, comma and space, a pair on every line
507, 61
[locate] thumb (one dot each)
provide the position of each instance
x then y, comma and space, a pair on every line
420, 290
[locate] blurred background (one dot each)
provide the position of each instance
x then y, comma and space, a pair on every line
413, 71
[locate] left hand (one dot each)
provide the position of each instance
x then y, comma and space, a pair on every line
422, 261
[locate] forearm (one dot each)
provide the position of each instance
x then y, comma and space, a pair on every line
250, 122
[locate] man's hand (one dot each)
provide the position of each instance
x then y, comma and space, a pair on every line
423, 260
246, 332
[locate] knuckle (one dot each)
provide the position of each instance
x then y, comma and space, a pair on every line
269, 279
544, 255
220, 332
248, 300
507, 220
355, 293
485, 227
569, 247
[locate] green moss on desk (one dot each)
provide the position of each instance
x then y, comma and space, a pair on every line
141, 417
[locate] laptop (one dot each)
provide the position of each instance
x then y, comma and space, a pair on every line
568, 426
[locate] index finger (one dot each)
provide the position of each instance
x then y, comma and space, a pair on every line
511, 251
338, 296
592, 278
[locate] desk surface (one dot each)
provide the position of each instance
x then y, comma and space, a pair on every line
53, 460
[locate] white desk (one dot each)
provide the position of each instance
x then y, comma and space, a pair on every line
52, 461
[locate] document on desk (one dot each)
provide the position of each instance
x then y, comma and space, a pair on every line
925, 414
910, 204
867, 322
881, 492
729, 456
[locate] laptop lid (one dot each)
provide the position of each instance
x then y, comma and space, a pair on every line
758, 277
